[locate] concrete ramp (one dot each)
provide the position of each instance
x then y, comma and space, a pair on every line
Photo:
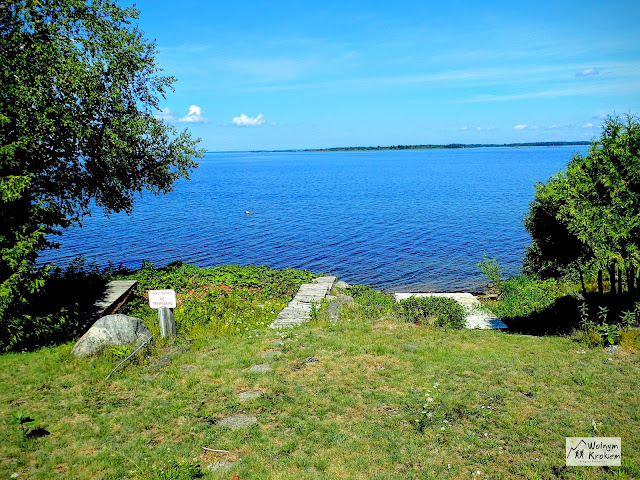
475, 318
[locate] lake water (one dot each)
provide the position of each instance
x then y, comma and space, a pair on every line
413, 220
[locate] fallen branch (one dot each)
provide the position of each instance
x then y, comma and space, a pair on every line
207, 449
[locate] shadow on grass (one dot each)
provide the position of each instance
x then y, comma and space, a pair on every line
562, 317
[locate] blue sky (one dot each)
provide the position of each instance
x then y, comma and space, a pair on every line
277, 75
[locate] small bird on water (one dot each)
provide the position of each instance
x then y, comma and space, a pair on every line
248, 212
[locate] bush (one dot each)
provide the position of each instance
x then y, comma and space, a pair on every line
439, 311
491, 269
56, 311
524, 295
371, 298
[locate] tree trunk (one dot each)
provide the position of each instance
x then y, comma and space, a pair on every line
584, 289
612, 279
600, 287
619, 281
631, 277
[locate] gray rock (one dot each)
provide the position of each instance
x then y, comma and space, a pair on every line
340, 299
345, 299
269, 354
220, 466
238, 421
260, 368
342, 285
410, 346
612, 349
111, 331
335, 305
334, 311
249, 395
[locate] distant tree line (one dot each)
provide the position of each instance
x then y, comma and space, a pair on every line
450, 145
586, 219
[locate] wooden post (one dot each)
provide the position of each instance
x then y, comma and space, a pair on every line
167, 322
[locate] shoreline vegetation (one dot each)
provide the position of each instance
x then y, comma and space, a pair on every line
429, 147
363, 388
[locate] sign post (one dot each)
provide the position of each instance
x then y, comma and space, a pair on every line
164, 301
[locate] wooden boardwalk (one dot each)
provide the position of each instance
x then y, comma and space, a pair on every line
298, 311
115, 293
475, 318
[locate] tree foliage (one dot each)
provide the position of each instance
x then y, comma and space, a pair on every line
79, 87
589, 215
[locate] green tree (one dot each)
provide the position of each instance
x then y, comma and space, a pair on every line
590, 214
79, 87
603, 197
554, 250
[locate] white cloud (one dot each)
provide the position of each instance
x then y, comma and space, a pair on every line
587, 125
464, 128
194, 115
534, 127
520, 127
165, 115
244, 121
587, 72
479, 129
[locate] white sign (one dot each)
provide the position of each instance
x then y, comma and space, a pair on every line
162, 298
594, 451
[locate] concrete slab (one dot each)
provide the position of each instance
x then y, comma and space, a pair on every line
299, 309
475, 318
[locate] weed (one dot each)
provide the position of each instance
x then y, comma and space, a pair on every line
610, 334
631, 318
120, 352
176, 471
26, 422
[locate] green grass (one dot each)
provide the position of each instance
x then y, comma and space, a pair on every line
343, 400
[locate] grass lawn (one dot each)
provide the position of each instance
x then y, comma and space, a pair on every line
367, 397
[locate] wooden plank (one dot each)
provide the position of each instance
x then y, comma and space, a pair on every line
114, 293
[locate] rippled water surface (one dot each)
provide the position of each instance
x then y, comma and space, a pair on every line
402, 220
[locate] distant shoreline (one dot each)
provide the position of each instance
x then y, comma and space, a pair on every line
428, 147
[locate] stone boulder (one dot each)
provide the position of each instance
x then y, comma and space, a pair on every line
111, 331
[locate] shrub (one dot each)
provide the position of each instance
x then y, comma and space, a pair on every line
372, 299
524, 295
588, 337
56, 311
491, 269
439, 311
